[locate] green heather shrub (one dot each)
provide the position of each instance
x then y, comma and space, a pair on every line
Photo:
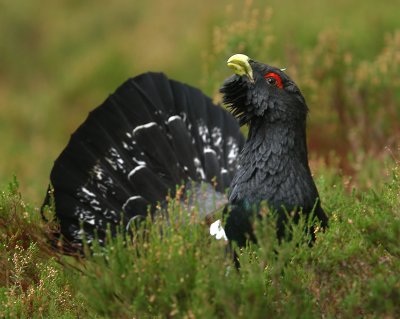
173, 268
32, 280
62, 59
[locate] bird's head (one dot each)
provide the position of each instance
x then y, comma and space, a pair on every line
258, 90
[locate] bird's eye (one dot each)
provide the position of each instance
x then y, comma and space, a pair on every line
274, 79
271, 81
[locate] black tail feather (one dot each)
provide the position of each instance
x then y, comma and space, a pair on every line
150, 135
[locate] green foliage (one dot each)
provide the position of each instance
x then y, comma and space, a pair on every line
59, 59
173, 268
360, 96
32, 282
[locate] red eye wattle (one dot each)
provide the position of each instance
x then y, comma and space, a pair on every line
276, 78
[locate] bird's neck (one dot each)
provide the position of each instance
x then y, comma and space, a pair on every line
275, 140
274, 157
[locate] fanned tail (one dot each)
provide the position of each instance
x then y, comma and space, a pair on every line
149, 136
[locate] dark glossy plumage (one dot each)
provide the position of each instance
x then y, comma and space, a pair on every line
154, 133
273, 165
151, 135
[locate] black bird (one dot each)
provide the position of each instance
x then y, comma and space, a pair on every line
154, 133
273, 165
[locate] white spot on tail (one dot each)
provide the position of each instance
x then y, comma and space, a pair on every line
209, 150
233, 150
203, 132
126, 146
174, 118
98, 172
90, 221
87, 192
143, 127
129, 200
216, 135
115, 160
135, 170
199, 168
139, 162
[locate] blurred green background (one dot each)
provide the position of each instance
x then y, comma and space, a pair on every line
60, 59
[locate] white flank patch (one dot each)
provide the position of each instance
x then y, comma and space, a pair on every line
143, 127
217, 230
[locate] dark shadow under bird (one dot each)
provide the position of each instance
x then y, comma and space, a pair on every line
154, 133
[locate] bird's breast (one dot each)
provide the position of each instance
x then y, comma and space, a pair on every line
274, 174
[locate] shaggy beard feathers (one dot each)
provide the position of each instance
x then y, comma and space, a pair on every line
234, 92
